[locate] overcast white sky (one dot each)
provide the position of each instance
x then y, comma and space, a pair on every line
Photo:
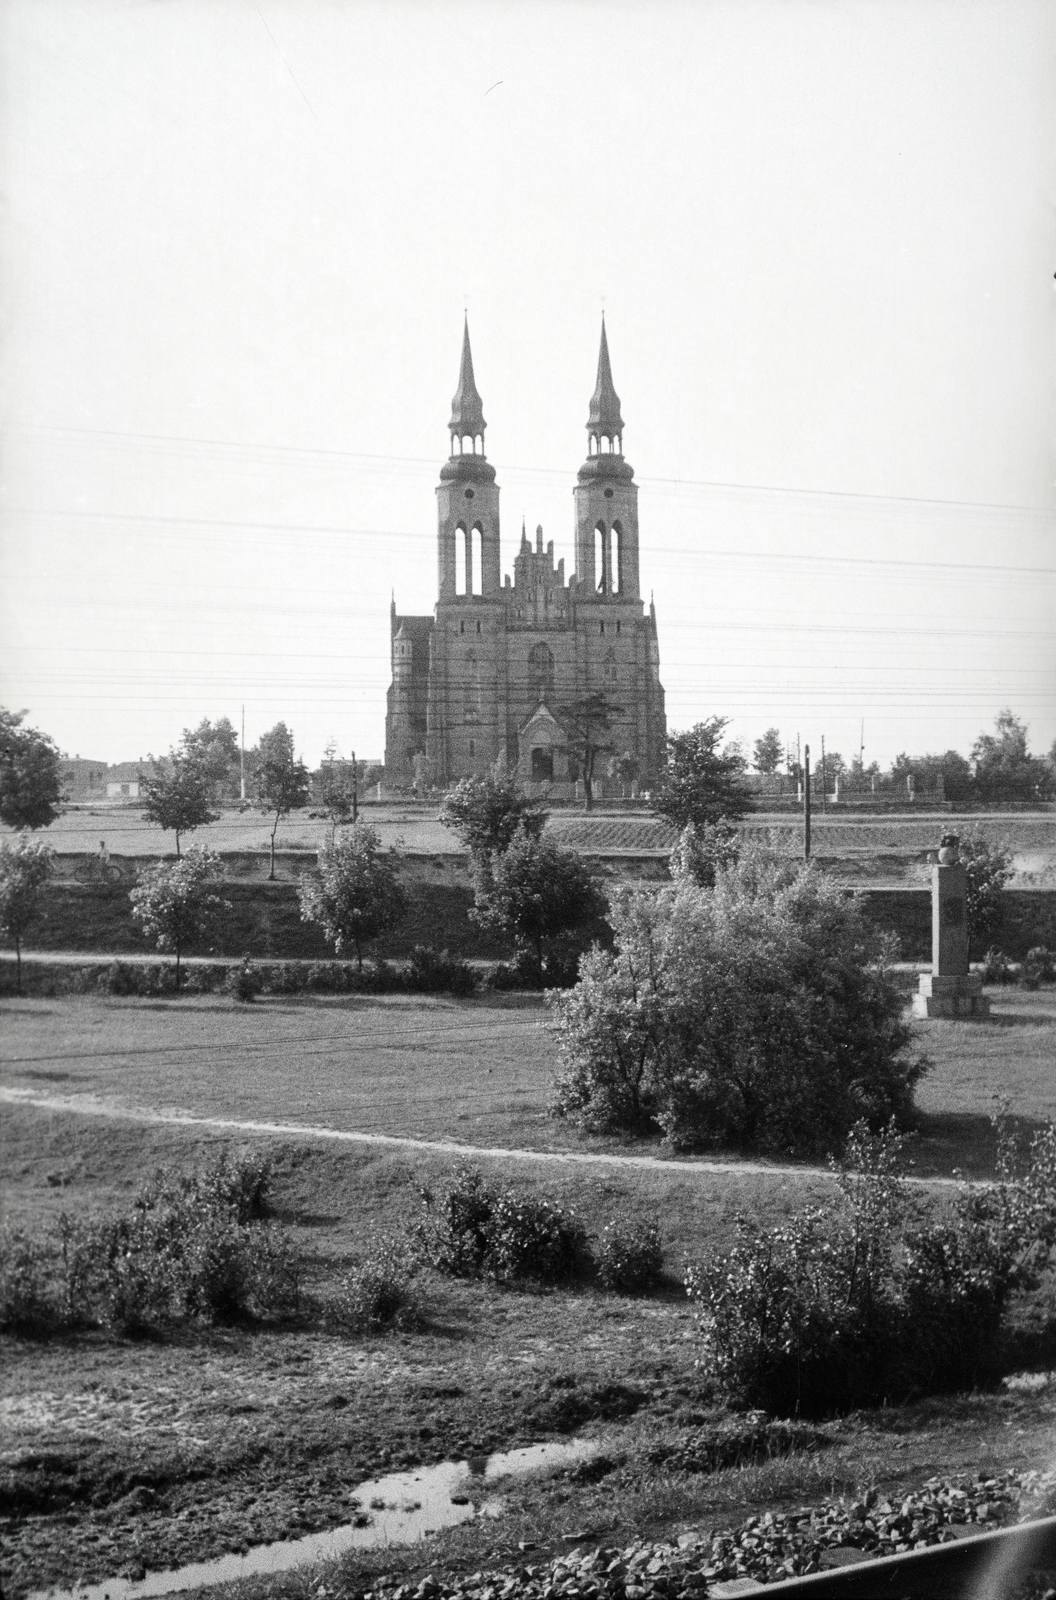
238, 238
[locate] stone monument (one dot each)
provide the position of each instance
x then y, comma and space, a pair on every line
949, 989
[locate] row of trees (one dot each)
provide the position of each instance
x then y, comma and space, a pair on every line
999, 767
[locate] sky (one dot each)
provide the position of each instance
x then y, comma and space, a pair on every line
238, 241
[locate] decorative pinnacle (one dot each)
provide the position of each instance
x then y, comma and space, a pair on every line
467, 408
604, 416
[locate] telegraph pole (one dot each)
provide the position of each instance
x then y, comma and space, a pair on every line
823, 775
806, 802
355, 790
242, 758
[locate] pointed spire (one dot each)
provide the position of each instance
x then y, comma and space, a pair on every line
467, 409
604, 417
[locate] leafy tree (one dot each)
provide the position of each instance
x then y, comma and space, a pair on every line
338, 789
213, 747
1004, 768
987, 868
25, 868
587, 723
175, 905
702, 853
540, 894
768, 752
757, 1015
282, 781
178, 796
486, 813
702, 782
354, 894
30, 789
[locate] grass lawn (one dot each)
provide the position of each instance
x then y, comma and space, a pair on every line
118, 1451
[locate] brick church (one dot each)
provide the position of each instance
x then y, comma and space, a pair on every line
488, 673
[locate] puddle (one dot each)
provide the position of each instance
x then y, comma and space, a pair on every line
403, 1508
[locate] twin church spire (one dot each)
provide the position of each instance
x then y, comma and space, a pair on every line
467, 425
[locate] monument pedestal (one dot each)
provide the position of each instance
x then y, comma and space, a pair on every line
952, 996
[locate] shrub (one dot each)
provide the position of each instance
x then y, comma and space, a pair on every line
287, 977
988, 867
190, 1248
997, 968
850, 1307
475, 1230
1039, 966
757, 1015
630, 1257
376, 1293
244, 982
28, 1304
436, 972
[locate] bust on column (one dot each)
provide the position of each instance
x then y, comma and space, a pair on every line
950, 990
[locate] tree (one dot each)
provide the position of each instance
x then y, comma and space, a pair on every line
214, 748
30, 789
768, 752
1004, 768
540, 894
702, 782
353, 894
25, 868
587, 723
757, 1015
337, 789
987, 868
282, 780
178, 796
174, 904
702, 853
486, 813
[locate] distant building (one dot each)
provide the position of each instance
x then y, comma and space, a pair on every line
82, 780
124, 781
488, 673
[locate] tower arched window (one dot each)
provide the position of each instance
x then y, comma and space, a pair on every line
600, 557
616, 560
461, 559
540, 673
475, 569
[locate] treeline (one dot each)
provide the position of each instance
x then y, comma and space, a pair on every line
998, 768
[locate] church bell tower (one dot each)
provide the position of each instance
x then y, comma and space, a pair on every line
606, 497
468, 498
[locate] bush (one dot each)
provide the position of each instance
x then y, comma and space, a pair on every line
376, 1293
988, 867
997, 968
851, 1308
436, 972
190, 1248
1039, 966
630, 1257
28, 1303
244, 982
544, 898
758, 1015
474, 1230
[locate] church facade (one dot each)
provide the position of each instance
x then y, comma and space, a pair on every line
489, 673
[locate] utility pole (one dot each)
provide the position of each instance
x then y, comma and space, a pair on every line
242, 758
823, 775
806, 803
861, 746
355, 790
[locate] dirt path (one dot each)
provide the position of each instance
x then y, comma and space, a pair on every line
96, 1106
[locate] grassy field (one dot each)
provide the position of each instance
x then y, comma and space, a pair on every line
119, 1452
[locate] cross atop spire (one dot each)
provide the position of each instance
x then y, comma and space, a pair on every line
604, 419
467, 408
